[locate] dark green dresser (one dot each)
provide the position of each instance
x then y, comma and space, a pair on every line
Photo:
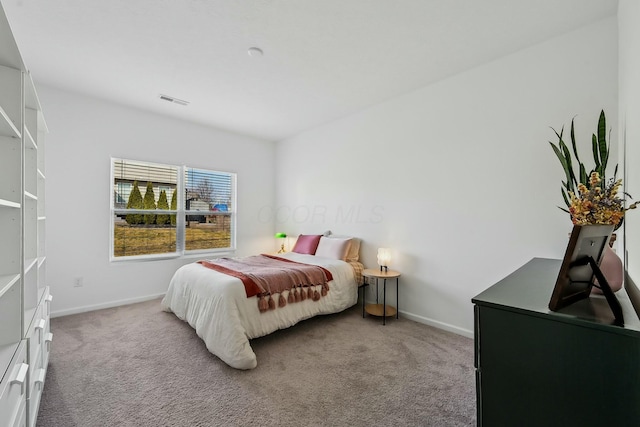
535, 367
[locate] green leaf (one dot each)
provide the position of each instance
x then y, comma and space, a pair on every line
566, 198
559, 135
602, 144
567, 155
602, 141
563, 162
583, 175
573, 143
594, 148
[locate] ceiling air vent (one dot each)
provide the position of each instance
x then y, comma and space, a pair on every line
174, 100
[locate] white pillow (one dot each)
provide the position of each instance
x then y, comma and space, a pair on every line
333, 248
353, 255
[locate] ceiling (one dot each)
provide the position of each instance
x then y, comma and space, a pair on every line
323, 59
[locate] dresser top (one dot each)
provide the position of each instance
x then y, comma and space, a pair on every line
528, 290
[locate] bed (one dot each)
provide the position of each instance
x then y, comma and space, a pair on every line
216, 305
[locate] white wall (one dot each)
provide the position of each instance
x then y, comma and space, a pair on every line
629, 78
458, 177
83, 134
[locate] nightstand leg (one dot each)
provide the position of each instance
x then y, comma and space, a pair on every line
384, 302
397, 299
364, 290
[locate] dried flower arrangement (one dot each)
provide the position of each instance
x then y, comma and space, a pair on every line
591, 199
598, 204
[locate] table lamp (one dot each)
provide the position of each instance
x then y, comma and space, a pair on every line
384, 258
281, 236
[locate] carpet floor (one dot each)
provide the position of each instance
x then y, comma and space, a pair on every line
136, 365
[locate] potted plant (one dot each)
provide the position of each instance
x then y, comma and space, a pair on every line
594, 199
591, 199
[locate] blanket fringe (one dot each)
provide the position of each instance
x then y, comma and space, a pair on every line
263, 305
299, 293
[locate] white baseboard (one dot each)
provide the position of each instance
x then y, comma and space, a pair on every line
420, 319
84, 309
437, 324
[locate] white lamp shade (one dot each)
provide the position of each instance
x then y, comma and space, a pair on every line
384, 257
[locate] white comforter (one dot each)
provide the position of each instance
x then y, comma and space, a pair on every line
217, 307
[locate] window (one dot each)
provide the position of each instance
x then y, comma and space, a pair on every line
165, 210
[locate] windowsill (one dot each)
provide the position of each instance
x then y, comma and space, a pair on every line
230, 252
165, 257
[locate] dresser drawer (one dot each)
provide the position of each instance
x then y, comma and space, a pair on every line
36, 335
46, 349
47, 335
21, 417
39, 344
36, 393
13, 388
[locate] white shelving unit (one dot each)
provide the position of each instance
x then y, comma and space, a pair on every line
25, 336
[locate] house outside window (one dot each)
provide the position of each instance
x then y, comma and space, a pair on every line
168, 210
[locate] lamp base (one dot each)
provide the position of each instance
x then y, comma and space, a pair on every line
385, 268
281, 251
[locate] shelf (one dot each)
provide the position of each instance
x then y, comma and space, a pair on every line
31, 143
9, 204
10, 323
10, 170
22, 227
9, 52
41, 291
29, 314
376, 310
31, 101
6, 281
6, 354
7, 127
29, 264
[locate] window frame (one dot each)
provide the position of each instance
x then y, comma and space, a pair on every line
181, 213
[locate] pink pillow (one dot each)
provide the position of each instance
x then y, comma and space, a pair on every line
306, 244
333, 248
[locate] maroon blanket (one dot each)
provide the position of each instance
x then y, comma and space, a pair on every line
268, 275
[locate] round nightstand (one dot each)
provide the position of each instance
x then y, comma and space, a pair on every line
381, 310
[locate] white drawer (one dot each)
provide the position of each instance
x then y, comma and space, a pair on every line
48, 336
35, 345
46, 349
36, 394
21, 418
13, 388
34, 367
36, 335
47, 298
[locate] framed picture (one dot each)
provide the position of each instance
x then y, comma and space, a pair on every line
580, 267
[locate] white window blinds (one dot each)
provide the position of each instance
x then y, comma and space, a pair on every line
166, 210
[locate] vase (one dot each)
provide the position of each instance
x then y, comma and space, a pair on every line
612, 270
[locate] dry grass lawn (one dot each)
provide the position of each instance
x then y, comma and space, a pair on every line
144, 240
